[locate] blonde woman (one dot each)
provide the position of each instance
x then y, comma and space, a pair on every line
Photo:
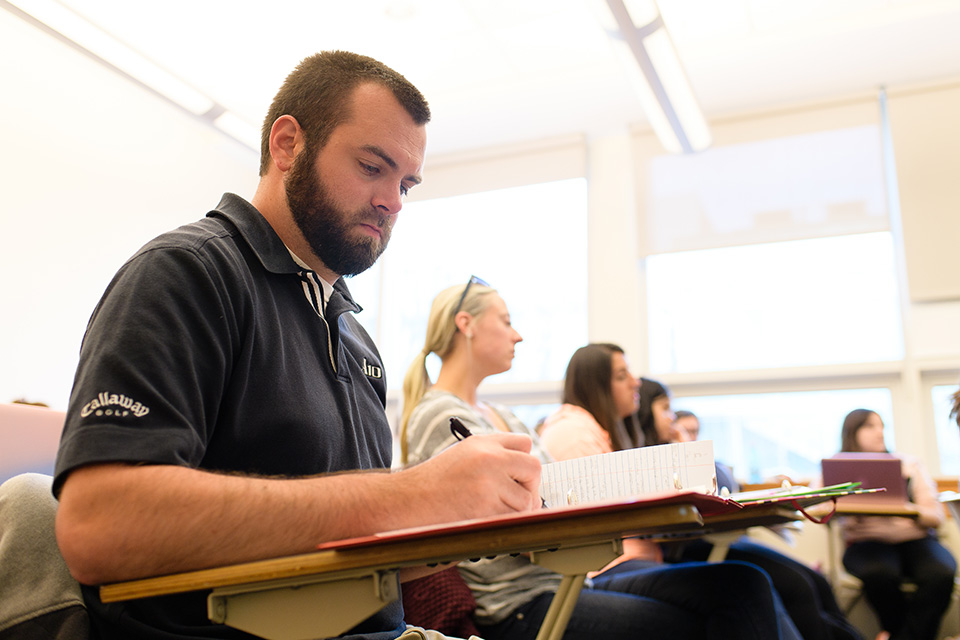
470, 330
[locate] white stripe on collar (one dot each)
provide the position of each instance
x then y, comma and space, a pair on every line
327, 287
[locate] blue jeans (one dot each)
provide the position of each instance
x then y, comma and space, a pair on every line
805, 593
689, 601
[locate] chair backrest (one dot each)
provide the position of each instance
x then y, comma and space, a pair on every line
39, 599
441, 601
949, 533
30, 436
952, 502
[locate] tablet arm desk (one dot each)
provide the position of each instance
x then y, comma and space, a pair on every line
327, 592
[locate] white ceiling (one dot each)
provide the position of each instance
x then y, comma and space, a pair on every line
499, 71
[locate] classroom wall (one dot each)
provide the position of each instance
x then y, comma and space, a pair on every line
93, 167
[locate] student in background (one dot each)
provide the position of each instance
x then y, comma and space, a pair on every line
655, 419
885, 551
600, 396
955, 411
593, 372
687, 427
469, 329
687, 423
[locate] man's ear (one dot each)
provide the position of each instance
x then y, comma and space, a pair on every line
286, 140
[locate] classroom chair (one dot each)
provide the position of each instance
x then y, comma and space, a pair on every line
39, 599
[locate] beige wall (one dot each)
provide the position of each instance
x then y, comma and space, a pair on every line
92, 167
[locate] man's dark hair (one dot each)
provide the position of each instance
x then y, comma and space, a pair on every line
317, 93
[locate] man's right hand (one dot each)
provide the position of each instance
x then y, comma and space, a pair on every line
483, 475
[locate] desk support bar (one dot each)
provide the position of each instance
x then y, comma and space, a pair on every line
304, 608
573, 563
561, 608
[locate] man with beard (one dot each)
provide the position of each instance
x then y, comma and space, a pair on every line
224, 386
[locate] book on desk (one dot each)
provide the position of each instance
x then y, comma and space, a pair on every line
665, 468
668, 468
629, 481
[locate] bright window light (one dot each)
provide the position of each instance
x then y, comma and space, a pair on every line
763, 435
785, 304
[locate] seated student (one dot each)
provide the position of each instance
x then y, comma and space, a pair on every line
655, 418
955, 409
883, 551
607, 394
686, 424
595, 378
228, 407
469, 329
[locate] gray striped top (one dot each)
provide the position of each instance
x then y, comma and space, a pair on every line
500, 584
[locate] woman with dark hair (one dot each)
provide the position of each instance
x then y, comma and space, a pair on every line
655, 418
805, 593
884, 551
599, 395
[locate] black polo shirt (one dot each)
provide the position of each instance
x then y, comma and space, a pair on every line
205, 352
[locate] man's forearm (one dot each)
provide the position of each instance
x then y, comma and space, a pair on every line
120, 522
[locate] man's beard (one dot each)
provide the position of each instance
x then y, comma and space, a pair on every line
329, 230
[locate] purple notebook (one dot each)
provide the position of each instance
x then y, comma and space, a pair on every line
871, 470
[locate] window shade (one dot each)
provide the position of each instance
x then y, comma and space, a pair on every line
926, 142
801, 174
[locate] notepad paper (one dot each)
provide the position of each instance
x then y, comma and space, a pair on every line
684, 466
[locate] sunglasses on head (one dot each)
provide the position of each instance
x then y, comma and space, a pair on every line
463, 296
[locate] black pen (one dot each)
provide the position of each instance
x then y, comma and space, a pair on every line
458, 429
460, 432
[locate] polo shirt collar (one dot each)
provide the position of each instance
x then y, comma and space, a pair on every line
258, 233
264, 241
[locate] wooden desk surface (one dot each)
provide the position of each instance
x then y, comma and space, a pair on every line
671, 516
537, 531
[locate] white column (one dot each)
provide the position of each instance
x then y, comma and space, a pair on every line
615, 312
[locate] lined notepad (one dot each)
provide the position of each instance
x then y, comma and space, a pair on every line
685, 466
